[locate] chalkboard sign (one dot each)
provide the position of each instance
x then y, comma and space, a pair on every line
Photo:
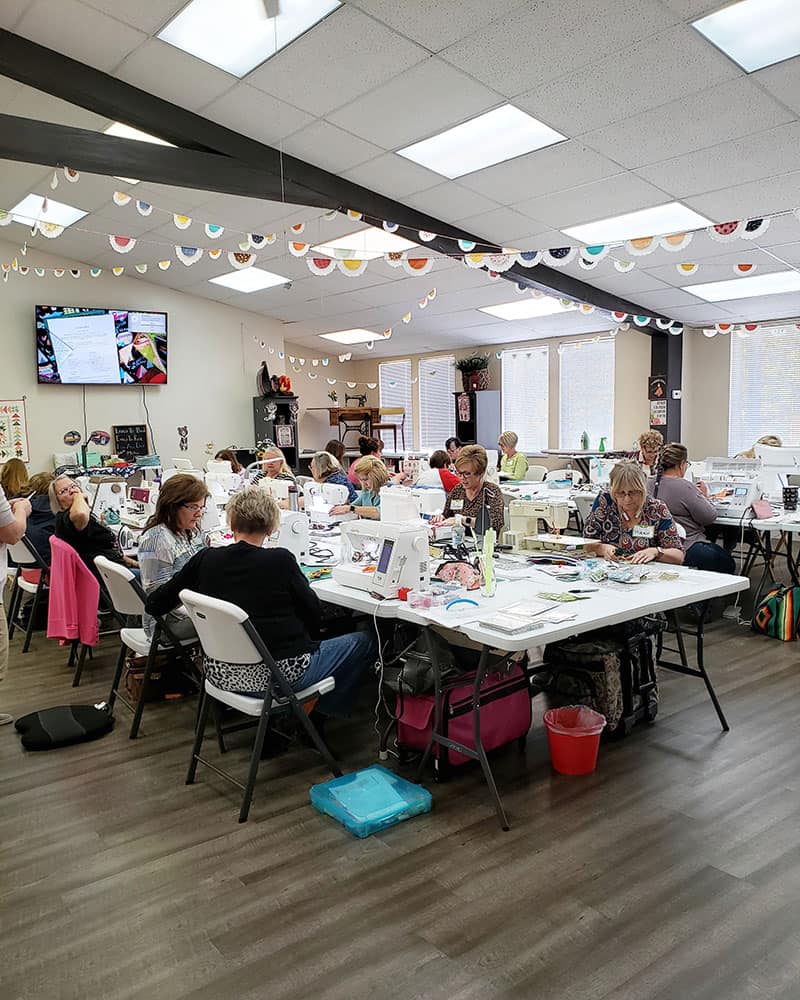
130, 440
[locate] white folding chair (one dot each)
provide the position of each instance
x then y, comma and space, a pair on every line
128, 599
583, 505
227, 634
26, 557
561, 474
535, 474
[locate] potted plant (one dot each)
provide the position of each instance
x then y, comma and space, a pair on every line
474, 372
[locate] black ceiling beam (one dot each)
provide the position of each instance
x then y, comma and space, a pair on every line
94, 152
57, 74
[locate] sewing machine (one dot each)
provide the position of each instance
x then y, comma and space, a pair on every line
278, 489
293, 534
320, 497
109, 498
381, 558
141, 504
732, 495
523, 534
222, 484
413, 465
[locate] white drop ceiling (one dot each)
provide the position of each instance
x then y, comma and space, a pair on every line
652, 113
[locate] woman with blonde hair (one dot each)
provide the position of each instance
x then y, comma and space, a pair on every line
513, 464
650, 444
13, 477
169, 540
628, 524
771, 440
373, 475
273, 464
268, 585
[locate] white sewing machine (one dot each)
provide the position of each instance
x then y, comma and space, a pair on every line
222, 484
523, 534
278, 489
320, 497
292, 534
381, 558
413, 465
732, 495
109, 497
140, 506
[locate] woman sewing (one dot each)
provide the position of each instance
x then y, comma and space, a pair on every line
630, 525
474, 500
372, 477
325, 469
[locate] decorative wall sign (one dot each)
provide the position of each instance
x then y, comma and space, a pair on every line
656, 387
183, 438
14, 430
72, 438
658, 412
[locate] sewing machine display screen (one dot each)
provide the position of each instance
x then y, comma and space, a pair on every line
386, 556
740, 491
141, 494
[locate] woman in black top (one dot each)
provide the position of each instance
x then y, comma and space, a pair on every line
78, 527
267, 583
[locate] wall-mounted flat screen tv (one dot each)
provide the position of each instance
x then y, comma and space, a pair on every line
82, 345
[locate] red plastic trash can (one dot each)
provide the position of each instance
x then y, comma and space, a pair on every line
573, 734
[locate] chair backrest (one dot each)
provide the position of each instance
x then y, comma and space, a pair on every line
167, 474
122, 586
220, 626
584, 504
74, 596
535, 474
558, 474
302, 480
681, 530
24, 554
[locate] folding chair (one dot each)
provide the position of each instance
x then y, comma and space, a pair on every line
128, 599
26, 557
227, 634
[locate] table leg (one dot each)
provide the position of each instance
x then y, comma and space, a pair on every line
791, 560
684, 668
480, 674
766, 547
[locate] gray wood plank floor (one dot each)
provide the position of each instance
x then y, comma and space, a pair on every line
672, 873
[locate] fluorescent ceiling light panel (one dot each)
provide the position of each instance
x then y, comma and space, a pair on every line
238, 35
746, 288
29, 210
525, 309
250, 279
481, 142
658, 221
366, 244
357, 336
122, 131
754, 33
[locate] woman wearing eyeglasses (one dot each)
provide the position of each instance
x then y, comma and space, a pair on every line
78, 527
630, 525
170, 538
473, 498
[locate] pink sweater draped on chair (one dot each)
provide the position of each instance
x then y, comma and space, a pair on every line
74, 597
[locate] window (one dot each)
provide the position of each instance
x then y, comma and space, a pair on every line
437, 421
586, 393
525, 378
764, 388
395, 388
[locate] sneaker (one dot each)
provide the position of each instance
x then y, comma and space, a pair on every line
6, 719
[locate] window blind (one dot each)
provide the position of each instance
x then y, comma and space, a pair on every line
525, 380
394, 378
586, 393
764, 387
437, 421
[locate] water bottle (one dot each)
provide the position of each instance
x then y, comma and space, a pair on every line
458, 531
294, 503
584, 441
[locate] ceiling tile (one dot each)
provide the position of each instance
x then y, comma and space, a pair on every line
174, 75
501, 226
18, 180
666, 300
29, 103
393, 176
560, 37
147, 15
701, 314
782, 81
11, 11
766, 195
727, 111
599, 200
436, 25
347, 55
628, 285
450, 201
553, 169
735, 162
79, 32
329, 147
421, 102
666, 66
692, 9
252, 112
789, 252
766, 307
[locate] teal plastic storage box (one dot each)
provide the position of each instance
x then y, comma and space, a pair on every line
370, 800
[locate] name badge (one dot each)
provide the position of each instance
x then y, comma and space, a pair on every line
643, 531
456, 505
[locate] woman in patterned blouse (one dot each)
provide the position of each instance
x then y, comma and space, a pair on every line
628, 524
473, 495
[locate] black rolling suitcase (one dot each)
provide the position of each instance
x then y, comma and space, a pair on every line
611, 670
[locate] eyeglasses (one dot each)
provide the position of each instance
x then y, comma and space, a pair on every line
65, 490
628, 494
465, 474
195, 508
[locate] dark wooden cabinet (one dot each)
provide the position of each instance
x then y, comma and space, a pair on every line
275, 422
478, 417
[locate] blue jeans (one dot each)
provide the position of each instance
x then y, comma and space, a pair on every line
347, 658
706, 555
